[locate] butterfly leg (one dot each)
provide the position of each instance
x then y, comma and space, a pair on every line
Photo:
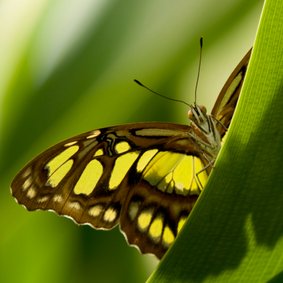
210, 164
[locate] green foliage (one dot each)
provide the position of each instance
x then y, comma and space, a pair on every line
235, 233
67, 67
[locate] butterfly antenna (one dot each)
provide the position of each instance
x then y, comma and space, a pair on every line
199, 66
161, 95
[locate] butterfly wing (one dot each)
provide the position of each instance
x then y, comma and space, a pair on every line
226, 102
141, 175
145, 177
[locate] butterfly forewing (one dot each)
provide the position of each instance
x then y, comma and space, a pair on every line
144, 176
141, 174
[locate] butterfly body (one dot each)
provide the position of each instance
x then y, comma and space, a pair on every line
205, 132
146, 177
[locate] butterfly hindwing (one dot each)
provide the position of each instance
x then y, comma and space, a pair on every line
151, 219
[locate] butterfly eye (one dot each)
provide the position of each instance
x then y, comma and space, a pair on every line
197, 113
191, 114
202, 108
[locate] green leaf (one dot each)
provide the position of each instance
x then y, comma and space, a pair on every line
235, 232
67, 67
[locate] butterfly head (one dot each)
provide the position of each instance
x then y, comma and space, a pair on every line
197, 114
204, 129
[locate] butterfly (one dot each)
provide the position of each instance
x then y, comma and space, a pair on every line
144, 177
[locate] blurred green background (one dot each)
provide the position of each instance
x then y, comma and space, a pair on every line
67, 67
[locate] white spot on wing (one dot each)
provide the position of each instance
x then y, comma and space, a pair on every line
27, 183
74, 205
27, 172
43, 199
94, 134
70, 143
95, 210
110, 215
57, 198
31, 193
